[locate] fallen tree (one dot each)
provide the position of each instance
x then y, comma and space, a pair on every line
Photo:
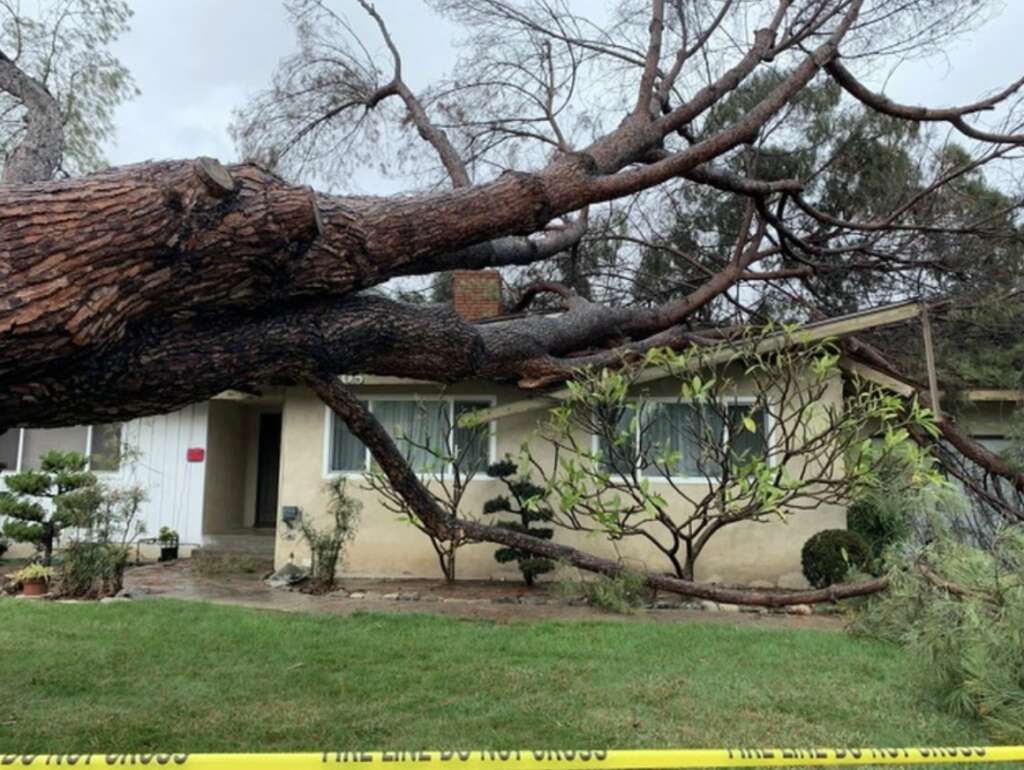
139, 289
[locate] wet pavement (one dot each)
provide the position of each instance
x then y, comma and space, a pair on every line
504, 602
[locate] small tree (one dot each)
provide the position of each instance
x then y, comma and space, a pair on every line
754, 429
38, 505
526, 502
97, 555
327, 545
448, 468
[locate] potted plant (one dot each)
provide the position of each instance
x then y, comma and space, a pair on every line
34, 579
168, 540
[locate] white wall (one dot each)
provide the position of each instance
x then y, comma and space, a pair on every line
173, 485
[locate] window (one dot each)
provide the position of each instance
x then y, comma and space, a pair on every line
680, 439
20, 449
9, 441
427, 432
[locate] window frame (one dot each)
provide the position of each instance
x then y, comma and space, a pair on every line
88, 452
661, 478
486, 402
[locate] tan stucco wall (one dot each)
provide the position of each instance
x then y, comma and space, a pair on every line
385, 546
227, 441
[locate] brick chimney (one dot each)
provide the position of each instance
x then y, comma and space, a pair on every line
476, 293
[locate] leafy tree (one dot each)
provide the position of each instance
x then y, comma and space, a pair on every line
753, 430
525, 501
39, 505
65, 47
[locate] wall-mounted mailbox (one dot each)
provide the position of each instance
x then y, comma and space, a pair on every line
195, 454
290, 514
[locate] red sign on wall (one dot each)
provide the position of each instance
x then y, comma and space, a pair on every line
195, 454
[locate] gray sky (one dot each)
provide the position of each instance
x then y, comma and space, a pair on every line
196, 60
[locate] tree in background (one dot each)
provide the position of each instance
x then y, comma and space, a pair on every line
525, 501
40, 504
65, 51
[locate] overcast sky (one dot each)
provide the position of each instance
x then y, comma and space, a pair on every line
196, 60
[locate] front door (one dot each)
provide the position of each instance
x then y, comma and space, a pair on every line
267, 468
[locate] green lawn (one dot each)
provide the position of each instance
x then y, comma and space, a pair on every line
183, 676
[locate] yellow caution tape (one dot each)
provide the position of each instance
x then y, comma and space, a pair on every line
639, 759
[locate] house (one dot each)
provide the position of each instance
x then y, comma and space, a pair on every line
236, 471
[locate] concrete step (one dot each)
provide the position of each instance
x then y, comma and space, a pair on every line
256, 543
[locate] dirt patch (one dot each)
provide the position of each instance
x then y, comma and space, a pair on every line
503, 602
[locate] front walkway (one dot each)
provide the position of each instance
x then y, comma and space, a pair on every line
470, 599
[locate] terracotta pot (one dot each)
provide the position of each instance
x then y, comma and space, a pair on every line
35, 587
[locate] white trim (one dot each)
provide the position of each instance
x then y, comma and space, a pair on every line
660, 478
492, 447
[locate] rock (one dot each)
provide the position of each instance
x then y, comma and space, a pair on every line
410, 597
754, 610
357, 595
728, 608
506, 600
289, 575
113, 599
664, 604
391, 596
537, 600
800, 609
134, 592
708, 606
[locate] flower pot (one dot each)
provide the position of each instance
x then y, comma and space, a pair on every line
168, 552
36, 587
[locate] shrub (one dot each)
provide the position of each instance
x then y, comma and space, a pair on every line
882, 522
960, 610
622, 593
92, 566
829, 556
92, 570
327, 545
525, 502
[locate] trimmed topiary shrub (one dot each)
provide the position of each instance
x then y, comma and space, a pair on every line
829, 556
525, 502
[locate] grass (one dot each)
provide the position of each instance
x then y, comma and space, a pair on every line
167, 675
